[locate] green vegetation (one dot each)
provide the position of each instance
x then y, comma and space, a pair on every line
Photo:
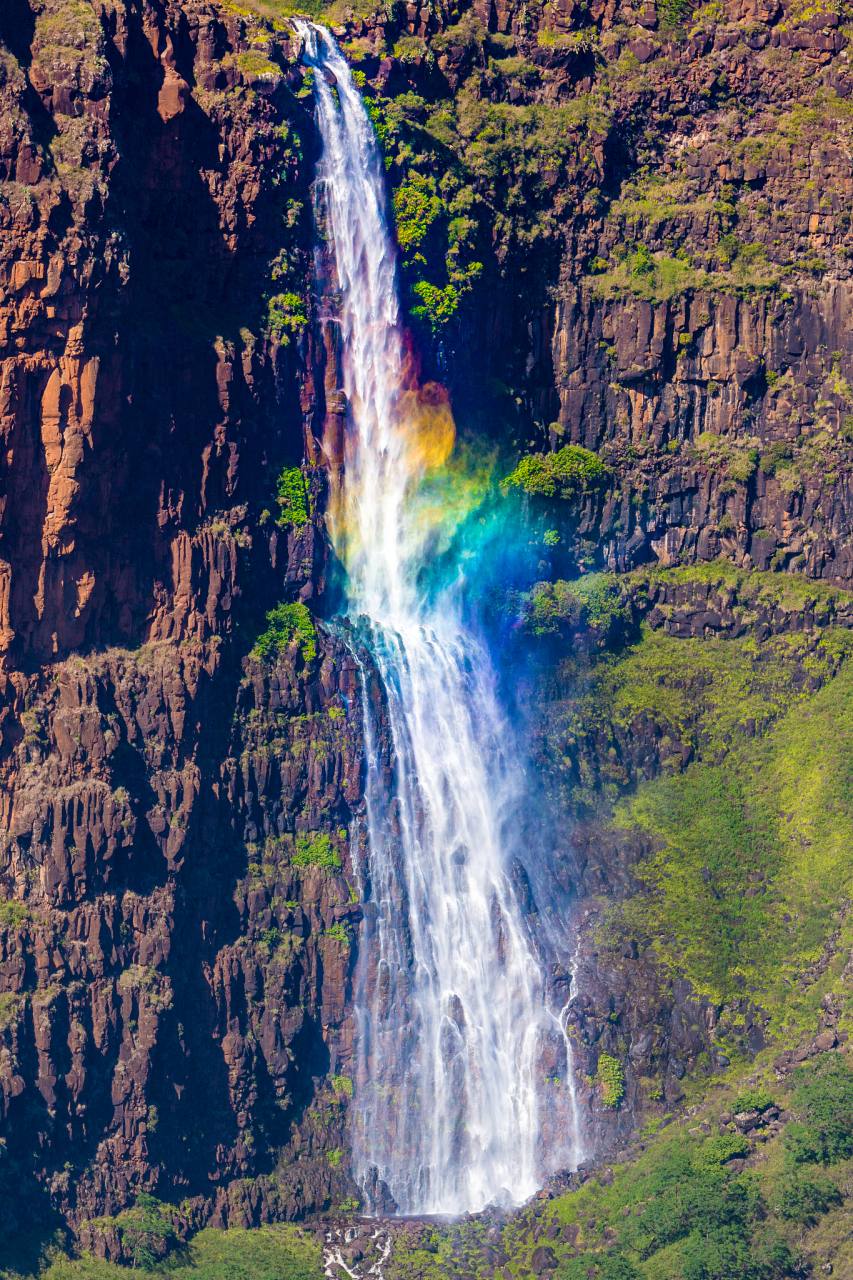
802, 1198
750, 814
315, 850
755, 1099
656, 277
824, 1102
562, 474
717, 1150
267, 1253
473, 182
292, 498
611, 1074
255, 63
287, 623
286, 316
147, 1231
13, 915
756, 851
594, 601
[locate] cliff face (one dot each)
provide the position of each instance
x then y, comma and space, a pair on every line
661, 276
169, 981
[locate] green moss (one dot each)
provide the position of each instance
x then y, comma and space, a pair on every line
287, 623
562, 474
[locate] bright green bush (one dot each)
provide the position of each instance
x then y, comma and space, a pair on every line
292, 498
287, 622
561, 474
313, 850
755, 1099
719, 1149
594, 601
437, 306
417, 206
286, 315
612, 1075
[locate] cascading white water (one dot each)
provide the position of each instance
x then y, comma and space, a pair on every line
450, 995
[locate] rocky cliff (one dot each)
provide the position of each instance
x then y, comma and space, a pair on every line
623, 229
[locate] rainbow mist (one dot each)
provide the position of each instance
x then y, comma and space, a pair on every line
450, 998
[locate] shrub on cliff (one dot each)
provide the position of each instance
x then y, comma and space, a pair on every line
316, 850
287, 622
286, 315
292, 498
595, 602
552, 475
612, 1076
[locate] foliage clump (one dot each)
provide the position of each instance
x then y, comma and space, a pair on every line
611, 1073
755, 1099
286, 316
316, 850
824, 1102
148, 1232
13, 915
719, 1149
562, 474
292, 498
287, 623
594, 601
802, 1197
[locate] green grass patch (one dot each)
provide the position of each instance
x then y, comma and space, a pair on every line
267, 1253
755, 852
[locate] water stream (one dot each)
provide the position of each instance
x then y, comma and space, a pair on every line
450, 989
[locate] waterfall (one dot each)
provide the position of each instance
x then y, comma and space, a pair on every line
451, 1005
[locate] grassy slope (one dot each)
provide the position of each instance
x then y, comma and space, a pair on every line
756, 833
269, 1253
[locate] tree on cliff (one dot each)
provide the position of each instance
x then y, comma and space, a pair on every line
147, 1232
